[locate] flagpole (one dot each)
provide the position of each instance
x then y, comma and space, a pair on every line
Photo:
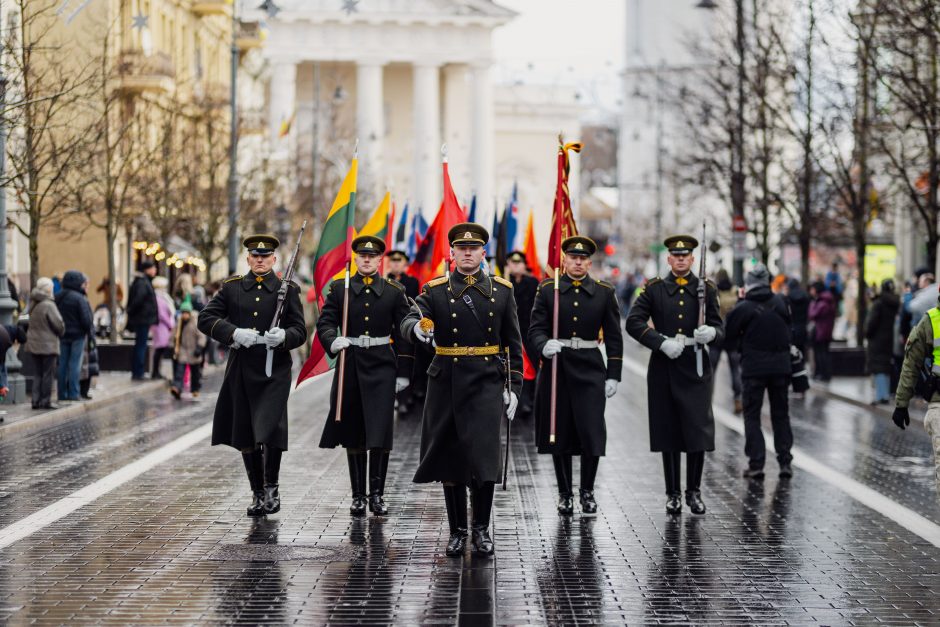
342, 355
553, 405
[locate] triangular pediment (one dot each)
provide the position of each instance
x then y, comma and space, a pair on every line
369, 10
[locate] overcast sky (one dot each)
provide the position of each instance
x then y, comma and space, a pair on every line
563, 41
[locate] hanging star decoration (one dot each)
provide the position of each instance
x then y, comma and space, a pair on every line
349, 6
140, 21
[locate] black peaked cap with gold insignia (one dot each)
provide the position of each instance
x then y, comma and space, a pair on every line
468, 234
368, 244
578, 245
398, 255
680, 244
516, 255
261, 243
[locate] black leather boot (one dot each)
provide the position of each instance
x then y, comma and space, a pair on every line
694, 467
455, 498
480, 539
589, 465
254, 466
378, 468
563, 476
671, 468
272, 469
357, 480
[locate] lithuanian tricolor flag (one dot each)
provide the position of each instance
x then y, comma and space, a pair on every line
378, 221
333, 252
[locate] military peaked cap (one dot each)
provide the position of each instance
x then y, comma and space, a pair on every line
261, 244
368, 244
468, 234
680, 244
578, 245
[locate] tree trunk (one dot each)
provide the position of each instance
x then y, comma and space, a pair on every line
33, 253
111, 236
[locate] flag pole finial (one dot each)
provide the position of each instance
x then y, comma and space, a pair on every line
356, 149
444, 152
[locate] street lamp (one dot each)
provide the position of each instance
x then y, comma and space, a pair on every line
737, 145
271, 9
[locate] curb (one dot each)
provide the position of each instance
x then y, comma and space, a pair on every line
57, 416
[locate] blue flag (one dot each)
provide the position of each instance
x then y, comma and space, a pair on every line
472, 214
402, 231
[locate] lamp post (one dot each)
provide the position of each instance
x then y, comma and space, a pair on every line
739, 223
271, 9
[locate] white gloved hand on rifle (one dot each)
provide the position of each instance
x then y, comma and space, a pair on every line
423, 337
243, 338
274, 337
610, 387
511, 401
551, 348
704, 334
339, 344
401, 383
671, 348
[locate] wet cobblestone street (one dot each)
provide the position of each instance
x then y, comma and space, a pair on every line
173, 545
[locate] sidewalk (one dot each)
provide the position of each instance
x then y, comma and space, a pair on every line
860, 391
110, 387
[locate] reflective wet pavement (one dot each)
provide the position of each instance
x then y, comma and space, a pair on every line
173, 545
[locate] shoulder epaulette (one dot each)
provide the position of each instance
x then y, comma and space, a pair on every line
502, 281
395, 284
654, 280
711, 284
605, 284
546, 282
438, 281
237, 277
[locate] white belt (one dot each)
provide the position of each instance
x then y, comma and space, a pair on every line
577, 343
686, 341
364, 341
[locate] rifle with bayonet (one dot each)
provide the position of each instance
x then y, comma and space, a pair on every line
699, 350
282, 297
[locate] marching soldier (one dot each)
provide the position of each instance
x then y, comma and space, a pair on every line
251, 412
680, 407
375, 352
397, 265
470, 320
524, 287
588, 311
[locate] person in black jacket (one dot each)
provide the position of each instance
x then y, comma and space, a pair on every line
76, 313
761, 323
141, 315
397, 266
879, 331
524, 288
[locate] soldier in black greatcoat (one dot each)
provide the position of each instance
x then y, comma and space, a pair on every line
251, 412
378, 364
397, 265
524, 287
470, 319
680, 404
588, 312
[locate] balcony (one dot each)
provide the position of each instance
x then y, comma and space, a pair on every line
205, 8
250, 35
139, 73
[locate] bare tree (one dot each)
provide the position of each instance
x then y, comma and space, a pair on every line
46, 142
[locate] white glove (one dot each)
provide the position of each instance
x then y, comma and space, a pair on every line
274, 337
795, 353
243, 338
610, 387
401, 383
672, 348
704, 334
339, 344
551, 348
424, 338
511, 401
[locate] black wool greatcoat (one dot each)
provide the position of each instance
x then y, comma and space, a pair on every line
585, 311
460, 434
680, 403
375, 310
252, 408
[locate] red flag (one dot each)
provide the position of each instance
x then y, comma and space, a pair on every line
531, 251
434, 249
563, 224
317, 362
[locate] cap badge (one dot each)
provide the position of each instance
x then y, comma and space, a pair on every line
579, 246
368, 245
680, 244
468, 235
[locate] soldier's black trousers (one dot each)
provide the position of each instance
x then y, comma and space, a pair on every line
672, 470
564, 473
672, 465
272, 464
694, 466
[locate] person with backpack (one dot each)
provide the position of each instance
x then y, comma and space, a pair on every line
760, 323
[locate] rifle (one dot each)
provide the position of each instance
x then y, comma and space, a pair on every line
508, 422
282, 297
701, 305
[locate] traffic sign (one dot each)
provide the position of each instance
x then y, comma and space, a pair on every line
739, 224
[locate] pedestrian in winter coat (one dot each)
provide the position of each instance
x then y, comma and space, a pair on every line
879, 331
189, 347
89, 368
727, 298
42, 341
76, 314
822, 313
142, 313
760, 323
166, 321
798, 302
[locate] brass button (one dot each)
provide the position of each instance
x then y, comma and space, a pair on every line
486, 359
367, 318
367, 304
491, 314
575, 303
455, 343
455, 330
682, 290
577, 290
681, 302
486, 343
368, 290
259, 287
452, 300
453, 315
489, 328
455, 359
576, 318
254, 313
257, 298
367, 333
575, 334
492, 300
680, 316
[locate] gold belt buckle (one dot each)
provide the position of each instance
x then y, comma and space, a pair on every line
471, 350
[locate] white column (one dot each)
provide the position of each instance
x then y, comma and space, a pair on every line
427, 132
482, 140
456, 127
282, 104
370, 123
